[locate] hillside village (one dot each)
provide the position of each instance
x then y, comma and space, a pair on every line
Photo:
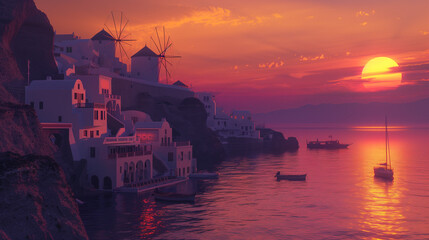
91, 107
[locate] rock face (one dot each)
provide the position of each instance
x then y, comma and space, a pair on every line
272, 142
188, 119
20, 131
35, 200
25, 34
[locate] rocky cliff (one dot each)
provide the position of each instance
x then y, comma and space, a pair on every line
271, 142
25, 35
35, 200
188, 121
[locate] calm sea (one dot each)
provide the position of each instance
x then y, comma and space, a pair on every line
340, 199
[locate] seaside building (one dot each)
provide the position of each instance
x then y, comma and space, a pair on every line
96, 131
238, 124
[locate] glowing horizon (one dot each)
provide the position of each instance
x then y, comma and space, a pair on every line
276, 54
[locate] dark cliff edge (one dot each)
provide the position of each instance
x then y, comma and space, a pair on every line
187, 118
271, 142
35, 199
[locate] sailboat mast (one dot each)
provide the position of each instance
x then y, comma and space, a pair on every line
385, 122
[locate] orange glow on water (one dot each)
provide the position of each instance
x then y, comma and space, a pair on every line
379, 128
381, 211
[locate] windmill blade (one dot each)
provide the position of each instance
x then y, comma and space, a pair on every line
120, 33
168, 41
165, 50
167, 73
126, 43
163, 28
114, 23
120, 51
120, 27
173, 56
155, 44
158, 41
108, 29
122, 47
168, 62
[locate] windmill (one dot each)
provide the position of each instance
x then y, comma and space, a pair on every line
115, 25
162, 47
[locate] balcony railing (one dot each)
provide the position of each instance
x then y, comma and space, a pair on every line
110, 140
111, 96
90, 105
129, 154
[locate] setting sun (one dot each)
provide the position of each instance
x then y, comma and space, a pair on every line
376, 72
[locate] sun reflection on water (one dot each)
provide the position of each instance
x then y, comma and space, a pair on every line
379, 128
381, 215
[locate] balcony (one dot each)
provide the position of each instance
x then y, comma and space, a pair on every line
90, 105
111, 96
129, 154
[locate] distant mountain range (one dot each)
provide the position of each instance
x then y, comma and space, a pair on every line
350, 113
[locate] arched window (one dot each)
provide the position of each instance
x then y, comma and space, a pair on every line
94, 182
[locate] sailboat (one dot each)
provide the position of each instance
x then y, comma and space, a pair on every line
385, 169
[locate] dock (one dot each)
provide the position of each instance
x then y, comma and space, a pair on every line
151, 184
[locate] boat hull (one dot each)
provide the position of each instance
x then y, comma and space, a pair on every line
381, 172
327, 146
301, 177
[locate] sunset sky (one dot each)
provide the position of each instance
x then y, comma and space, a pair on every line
273, 54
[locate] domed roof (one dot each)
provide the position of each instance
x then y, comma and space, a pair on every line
145, 52
103, 35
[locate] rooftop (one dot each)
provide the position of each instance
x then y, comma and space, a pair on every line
103, 35
145, 52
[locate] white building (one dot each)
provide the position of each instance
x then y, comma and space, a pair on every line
175, 155
113, 160
87, 54
145, 65
238, 124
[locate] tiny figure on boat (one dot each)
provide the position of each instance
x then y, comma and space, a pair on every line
277, 174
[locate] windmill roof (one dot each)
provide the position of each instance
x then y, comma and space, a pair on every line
145, 52
180, 84
103, 35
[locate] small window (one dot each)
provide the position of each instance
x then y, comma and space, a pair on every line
101, 115
69, 49
96, 115
78, 86
81, 96
188, 169
92, 152
165, 131
75, 95
40, 105
85, 133
120, 169
60, 118
181, 156
32, 104
98, 133
91, 134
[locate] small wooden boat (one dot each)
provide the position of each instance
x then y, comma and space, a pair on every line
174, 197
291, 177
204, 175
